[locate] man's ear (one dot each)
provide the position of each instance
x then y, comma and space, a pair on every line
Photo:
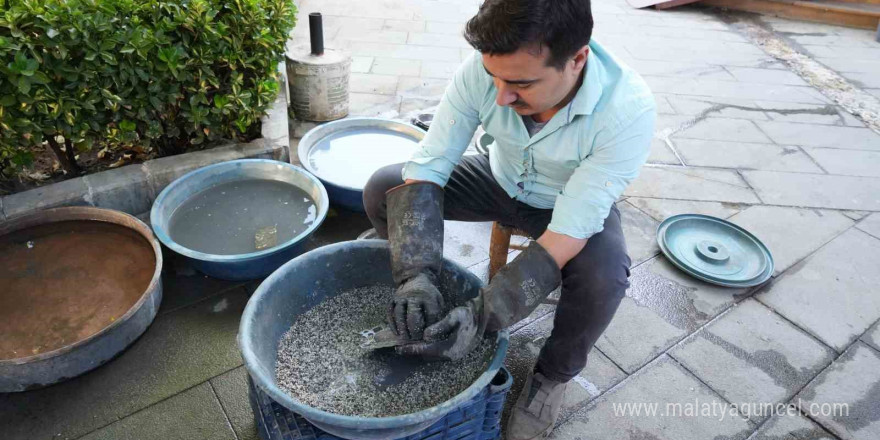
580, 59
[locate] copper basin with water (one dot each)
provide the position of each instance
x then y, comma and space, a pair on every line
79, 285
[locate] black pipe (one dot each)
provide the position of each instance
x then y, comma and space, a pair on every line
316, 32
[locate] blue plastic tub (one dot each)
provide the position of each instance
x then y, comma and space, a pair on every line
477, 419
243, 266
323, 273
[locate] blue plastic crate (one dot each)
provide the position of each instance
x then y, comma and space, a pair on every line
478, 419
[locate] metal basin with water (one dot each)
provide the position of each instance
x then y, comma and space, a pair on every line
345, 153
323, 273
258, 209
79, 285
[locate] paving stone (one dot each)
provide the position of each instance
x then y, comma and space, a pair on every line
437, 40
742, 155
375, 84
722, 129
405, 51
765, 359
232, 390
856, 215
404, 25
660, 153
410, 107
361, 64
791, 234
875, 92
827, 114
744, 58
766, 76
680, 69
369, 104
663, 106
396, 66
466, 243
872, 337
732, 89
661, 209
411, 87
868, 81
847, 162
193, 414
599, 375
445, 27
348, 35
672, 391
439, 69
851, 65
182, 285
691, 184
871, 225
833, 293
717, 107
806, 135
815, 190
640, 231
72, 192
179, 350
791, 427
845, 398
662, 306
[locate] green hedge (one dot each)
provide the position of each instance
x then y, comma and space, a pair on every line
153, 74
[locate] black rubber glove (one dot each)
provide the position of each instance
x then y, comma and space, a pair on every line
415, 236
453, 337
514, 293
417, 303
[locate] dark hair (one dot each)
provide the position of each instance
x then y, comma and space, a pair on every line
502, 27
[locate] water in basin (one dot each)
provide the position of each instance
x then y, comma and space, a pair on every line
349, 158
65, 281
242, 217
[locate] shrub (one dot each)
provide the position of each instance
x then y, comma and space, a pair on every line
155, 75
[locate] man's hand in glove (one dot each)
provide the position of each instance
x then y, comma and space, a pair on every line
515, 292
416, 304
453, 337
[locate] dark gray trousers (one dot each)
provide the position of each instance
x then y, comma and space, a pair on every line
593, 282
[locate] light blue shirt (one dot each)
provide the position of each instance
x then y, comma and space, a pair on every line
578, 164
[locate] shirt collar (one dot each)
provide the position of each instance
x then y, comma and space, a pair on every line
588, 95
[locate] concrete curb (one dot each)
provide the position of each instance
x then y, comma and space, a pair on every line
133, 188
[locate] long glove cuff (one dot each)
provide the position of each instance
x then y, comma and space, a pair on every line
519, 288
415, 229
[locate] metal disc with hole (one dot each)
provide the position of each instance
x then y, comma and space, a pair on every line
715, 250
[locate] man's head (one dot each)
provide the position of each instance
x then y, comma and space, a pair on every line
534, 49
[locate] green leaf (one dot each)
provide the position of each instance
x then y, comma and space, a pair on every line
127, 125
7, 100
24, 85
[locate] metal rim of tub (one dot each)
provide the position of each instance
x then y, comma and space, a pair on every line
166, 239
313, 414
74, 213
320, 132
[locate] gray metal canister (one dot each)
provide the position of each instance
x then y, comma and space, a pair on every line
318, 78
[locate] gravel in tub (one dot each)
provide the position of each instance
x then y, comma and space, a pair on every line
321, 362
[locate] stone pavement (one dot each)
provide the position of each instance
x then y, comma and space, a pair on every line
740, 136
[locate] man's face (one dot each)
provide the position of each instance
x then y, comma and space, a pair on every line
528, 85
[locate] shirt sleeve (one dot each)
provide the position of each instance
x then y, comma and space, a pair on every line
600, 179
454, 124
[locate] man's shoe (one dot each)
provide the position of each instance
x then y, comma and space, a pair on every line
537, 408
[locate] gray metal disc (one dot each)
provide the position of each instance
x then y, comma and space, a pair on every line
715, 250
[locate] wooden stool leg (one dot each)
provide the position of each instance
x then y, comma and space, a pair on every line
499, 246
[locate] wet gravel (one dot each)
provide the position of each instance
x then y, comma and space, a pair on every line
321, 362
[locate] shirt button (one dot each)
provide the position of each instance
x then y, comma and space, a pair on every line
608, 184
452, 122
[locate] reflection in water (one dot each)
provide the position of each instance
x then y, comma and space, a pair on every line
350, 158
